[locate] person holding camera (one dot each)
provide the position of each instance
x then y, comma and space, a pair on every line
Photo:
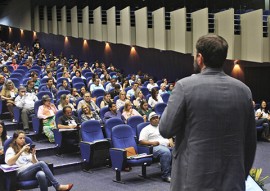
26, 102
19, 153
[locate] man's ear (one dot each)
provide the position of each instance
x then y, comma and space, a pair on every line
200, 60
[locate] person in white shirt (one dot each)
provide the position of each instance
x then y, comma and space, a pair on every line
162, 89
151, 84
154, 98
96, 85
161, 147
134, 90
26, 102
20, 154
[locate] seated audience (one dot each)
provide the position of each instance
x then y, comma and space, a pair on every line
26, 102
122, 100
133, 91
66, 75
106, 100
151, 84
3, 138
74, 95
64, 101
64, 86
132, 79
128, 111
171, 86
116, 91
34, 77
139, 98
162, 89
2, 80
5, 72
154, 98
19, 153
259, 121
262, 111
68, 120
87, 100
150, 136
9, 93
83, 91
14, 64
78, 74
96, 85
50, 75
112, 113
87, 114
30, 87
144, 110
47, 112
50, 87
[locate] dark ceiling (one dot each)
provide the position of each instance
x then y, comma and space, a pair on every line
169, 5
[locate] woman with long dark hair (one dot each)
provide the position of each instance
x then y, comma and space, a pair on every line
3, 138
154, 98
19, 153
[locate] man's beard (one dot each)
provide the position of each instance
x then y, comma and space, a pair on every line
196, 67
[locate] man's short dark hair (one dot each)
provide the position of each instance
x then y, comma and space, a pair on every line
65, 108
49, 79
214, 50
111, 104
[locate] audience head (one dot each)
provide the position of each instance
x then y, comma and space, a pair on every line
107, 97
3, 132
5, 69
112, 107
87, 96
18, 140
46, 100
9, 85
122, 95
144, 105
50, 82
86, 109
127, 106
211, 50
263, 104
83, 90
154, 119
22, 90
67, 110
154, 93
64, 99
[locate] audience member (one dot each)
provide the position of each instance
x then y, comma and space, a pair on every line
128, 111
64, 86
122, 100
83, 91
162, 89
9, 93
30, 87
47, 112
87, 114
50, 87
5, 72
262, 111
35, 79
87, 100
151, 84
150, 136
74, 95
171, 86
106, 100
139, 98
2, 80
19, 153
116, 90
133, 91
14, 64
154, 98
68, 120
96, 85
26, 102
112, 113
64, 101
3, 138
144, 109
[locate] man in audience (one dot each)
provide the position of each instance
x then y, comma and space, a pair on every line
116, 91
96, 85
2, 80
35, 79
68, 120
150, 136
151, 84
112, 113
14, 64
26, 102
162, 89
133, 91
111, 85
87, 100
50, 87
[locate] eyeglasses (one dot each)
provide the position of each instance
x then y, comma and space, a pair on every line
84, 108
23, 91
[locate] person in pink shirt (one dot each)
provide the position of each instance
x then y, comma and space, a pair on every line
47, 112
14, 64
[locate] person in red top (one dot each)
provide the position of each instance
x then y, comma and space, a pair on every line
14, 64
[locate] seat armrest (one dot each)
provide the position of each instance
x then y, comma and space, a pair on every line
57, 137
85, 148
145, 149
118, 158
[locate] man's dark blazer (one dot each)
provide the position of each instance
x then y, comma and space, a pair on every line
212, 116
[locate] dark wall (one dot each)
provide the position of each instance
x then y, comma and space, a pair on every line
160, 64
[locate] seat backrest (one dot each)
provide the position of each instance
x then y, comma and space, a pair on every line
159, 108
103, 111
8, 142
140, 127
78, 85
16, 75
86, 71
36, 106
88, 75
115, 98
24, 68
165, 97
15, 81
133, 121
58, 114
61, 79
91, 131
145, 91
122, 137
20, 71
110, 123
61, 92
97, 92
77, 80
42, 93
43, 80
99, 100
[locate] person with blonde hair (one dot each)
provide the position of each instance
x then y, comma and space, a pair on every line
129, 111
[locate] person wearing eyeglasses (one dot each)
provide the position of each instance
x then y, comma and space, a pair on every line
26, 102
87, 114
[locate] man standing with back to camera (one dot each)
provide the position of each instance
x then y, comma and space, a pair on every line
212, 117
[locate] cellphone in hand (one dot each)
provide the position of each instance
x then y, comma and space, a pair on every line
32, 146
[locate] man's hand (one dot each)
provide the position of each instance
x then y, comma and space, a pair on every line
155, 143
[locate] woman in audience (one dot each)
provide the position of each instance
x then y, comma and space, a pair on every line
74, 95
78, 74
87, 114
83, 91
106, 100
262, 112
19, 153
30, 87
171, 86
50, 75
64, 101
144, 109
125, 84
66, 75
64, 86
129, 111
86, 66
47, 112
5, 72
9, 93
139, 98
122, 100
154, 98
